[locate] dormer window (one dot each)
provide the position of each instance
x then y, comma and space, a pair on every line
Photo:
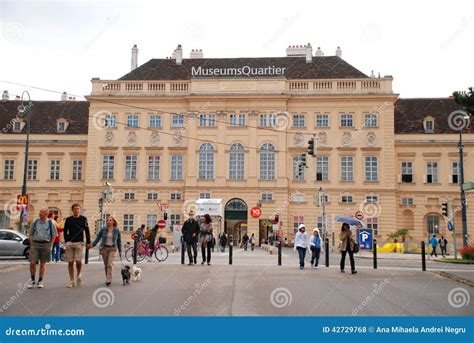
428, 124
17, 126
62, 125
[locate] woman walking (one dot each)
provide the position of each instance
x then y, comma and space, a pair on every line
315, 246
253, 241
205, 239
301, 243
56, 249
110, 241
347, 246
223, 242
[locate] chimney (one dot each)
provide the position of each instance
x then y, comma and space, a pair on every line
5, 96
17, 98
134, 57
195, 53
372, 74
319, 52
309, 53
64, 96
179, 55
339, 52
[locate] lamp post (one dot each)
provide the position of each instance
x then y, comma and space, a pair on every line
28, 110
105, 197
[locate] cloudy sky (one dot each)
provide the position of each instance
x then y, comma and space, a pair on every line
60, 45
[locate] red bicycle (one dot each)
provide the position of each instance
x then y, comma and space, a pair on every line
160, 252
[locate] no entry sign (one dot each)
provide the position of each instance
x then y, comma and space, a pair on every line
161, 224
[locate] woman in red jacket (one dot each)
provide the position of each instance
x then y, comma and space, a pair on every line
56, 251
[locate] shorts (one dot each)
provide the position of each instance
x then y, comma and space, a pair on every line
73, 251
40, 252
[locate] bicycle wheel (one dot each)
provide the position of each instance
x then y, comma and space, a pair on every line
129, 254
161, 253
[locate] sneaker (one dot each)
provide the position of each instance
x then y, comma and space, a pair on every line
301, 267
71, 284
79, 280
208, 263
40, 284
30, 284
354, 272
190, 264
202, 263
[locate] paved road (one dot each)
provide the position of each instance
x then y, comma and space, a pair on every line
254, 285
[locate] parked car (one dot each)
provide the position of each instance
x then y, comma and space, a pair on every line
14, 243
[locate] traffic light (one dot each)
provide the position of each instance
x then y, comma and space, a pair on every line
444, 207
165, 216
311, 147
301, 164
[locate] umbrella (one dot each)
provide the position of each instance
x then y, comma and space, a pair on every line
350, 221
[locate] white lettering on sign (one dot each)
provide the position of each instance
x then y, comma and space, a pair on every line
242, 71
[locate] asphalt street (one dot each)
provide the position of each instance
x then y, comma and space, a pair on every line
254, 285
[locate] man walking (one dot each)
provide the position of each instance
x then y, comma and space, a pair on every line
41, 236
301, 244
74, 229
433, 243
245, 241
443, 244
190, 232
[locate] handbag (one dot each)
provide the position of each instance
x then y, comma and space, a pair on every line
355, 250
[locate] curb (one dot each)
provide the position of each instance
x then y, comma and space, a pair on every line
455, 278
12, 268
454, 262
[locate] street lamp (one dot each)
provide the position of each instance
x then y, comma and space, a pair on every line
28, 109
105, 197
465, 99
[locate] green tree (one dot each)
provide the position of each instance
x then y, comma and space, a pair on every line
403, 234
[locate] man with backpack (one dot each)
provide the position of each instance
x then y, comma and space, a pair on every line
433, 243
41, 236
443, 244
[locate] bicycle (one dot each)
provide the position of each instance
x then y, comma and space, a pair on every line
160, 252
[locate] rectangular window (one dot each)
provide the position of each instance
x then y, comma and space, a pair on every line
299, 120
110, 121
347, 168
432, 172
176, 167
205, 195
407, 172
131, 167
32, 170
129, 196
267, 120
371, 168
16, 126
267, 196
132, 120
297, 176
429, 126
455, 172
297, 220
322, 168
9, 169
5, 218
407, 201
237, 119
371, 199
155, 120
108, 167
322, 120
433, 224
61, 127
320, 224
346, 120
297, 197
153, 167
151, 220
175, 196
207, 120
128, 222
54, 167
77, 170
152, 196
175, 219
177, 120
370, 120
347, 199
372, 223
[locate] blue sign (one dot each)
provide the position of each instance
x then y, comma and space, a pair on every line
450, 226
365, 239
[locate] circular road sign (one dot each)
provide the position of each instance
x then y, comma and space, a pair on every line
359, 215
161, 224
256, 212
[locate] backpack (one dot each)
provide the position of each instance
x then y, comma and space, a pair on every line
50, 227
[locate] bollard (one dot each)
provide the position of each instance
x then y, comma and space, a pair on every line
135, 249
423, 257
279, 252
326, 250
183, 247
375, 253
86, 259
231, 246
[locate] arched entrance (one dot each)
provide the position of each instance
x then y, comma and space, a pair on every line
235, 219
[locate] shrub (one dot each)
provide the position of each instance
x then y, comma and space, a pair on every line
467, 252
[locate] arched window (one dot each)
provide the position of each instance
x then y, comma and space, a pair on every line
206, 161
267, 162
236, 162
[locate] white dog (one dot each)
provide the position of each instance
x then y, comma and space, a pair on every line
136, 273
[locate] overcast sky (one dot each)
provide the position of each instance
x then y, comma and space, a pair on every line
60, 45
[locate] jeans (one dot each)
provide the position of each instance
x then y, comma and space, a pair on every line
56, 252
443, 251
302, 254
434, 251
245, 245
193, 245
315, 253
351, 258
204, 247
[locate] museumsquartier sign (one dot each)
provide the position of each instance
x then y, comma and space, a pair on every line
240, 71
